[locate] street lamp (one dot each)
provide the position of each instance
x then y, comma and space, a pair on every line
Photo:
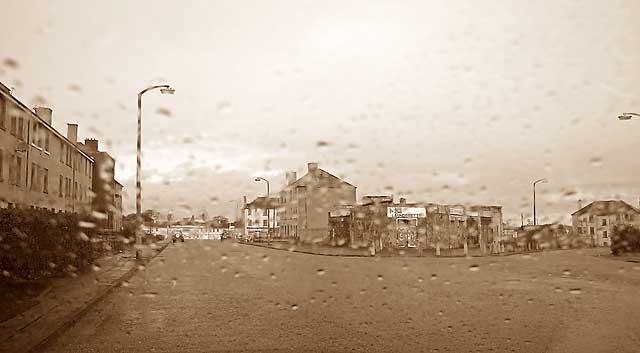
164, 89
268, 210
535, 221
628, 116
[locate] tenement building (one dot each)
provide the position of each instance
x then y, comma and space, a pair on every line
596, 221
305, 203
39, 167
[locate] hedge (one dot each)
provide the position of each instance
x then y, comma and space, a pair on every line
40, 243
625, 239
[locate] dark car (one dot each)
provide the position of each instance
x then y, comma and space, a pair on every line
177, 237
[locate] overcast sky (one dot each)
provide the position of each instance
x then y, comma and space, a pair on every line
437, 101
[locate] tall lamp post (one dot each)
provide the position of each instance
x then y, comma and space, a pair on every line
535, 220
164, 89
268, 210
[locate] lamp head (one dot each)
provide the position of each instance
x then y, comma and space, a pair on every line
625, 117
167, 90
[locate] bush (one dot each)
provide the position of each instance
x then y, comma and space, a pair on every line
40, 243
625, 239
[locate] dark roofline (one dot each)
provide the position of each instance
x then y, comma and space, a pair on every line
578, 212
50, 127
342, 180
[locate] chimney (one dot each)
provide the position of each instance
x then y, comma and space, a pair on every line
44, 113
72, 132
403, 201
290, 177
245, 201
91, 144
312, 167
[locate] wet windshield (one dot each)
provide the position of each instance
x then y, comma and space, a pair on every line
304, 176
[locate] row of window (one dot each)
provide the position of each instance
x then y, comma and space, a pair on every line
40, 178
592, 231
603, 221
40, 137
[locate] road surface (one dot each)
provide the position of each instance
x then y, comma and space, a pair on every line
211, 296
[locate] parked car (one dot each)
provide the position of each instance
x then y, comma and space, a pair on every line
178, 236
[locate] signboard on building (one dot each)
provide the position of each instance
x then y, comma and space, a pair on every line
406, 212
459, 211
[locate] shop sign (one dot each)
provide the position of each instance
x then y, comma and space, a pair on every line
406, 212
456, 211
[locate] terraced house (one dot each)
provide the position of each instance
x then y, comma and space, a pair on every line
39, 167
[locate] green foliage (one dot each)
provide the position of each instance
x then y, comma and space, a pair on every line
625, 239
40, 243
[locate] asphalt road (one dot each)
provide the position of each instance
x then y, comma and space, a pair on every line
208, 296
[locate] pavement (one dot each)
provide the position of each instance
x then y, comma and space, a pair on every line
68, 299
212, 296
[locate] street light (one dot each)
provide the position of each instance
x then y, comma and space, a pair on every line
268, 211
535, 221
628, 116
164, 89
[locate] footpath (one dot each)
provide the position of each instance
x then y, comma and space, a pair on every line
67, 300
326, 250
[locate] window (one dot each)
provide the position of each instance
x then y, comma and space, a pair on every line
618, 217
265, 223
592, 231
62, 151
60, 186
46, 140
604, 222
33, 176
1, 166
21, 128
14, 126
18, 172
604, 234
3, 113
46, 181
34, 134
75, 190
591, 218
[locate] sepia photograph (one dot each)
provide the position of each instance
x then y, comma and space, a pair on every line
319, 176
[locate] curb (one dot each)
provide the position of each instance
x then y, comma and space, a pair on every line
80, 313
388, 255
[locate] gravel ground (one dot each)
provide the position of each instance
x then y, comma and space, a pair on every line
205, 296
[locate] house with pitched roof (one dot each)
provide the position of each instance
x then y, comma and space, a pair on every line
305, 203
596, 221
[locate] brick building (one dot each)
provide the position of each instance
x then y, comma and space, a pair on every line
305, 203
39, 167
107, 190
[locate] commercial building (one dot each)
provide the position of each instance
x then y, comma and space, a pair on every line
39, 167
380, 222
595, 222
260, 218
305, 203
107, 201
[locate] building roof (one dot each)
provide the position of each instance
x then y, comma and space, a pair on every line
608, 207
4, 88
263, 202
320, 172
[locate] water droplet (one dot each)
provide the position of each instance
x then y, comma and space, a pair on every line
529, 301
474, 268
265, 258
149, 294
224, 257
236, 275
575, 291
273, 275
380, 278
557, 289
405, 267
363, 291
320, 272
507, 320
95, 268
420, 279
434, 277
566, 272
124, 284
223, 269
440, 313
294, 307
164, 111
